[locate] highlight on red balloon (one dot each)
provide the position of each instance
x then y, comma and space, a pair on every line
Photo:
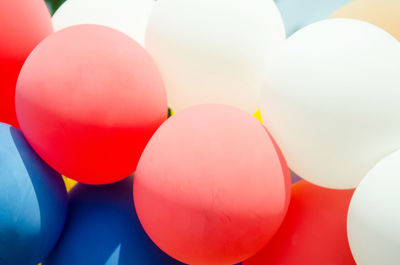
88, 99
211, 186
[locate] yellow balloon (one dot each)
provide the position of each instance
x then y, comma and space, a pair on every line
382, 13
69, 183
258, 116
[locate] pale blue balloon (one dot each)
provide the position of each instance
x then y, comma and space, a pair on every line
297, 14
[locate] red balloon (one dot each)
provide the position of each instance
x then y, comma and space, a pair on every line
210, 187
23, 24
313, 232
88, 99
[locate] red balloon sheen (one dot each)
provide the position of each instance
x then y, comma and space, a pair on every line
23, 24
313, 232
285, 168
210, 187
88, 99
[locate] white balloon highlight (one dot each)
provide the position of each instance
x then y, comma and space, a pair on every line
331, 100
129, 16
212, 51
373, 220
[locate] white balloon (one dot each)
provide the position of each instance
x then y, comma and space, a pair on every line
332, 100
212, 51
129, 16
373, 223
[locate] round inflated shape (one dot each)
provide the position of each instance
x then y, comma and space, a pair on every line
313, 232
128, 16
23, 24
373, 218
384, 14
214, 51
33, 201
331, 105
102, 228
211, 186
88, 99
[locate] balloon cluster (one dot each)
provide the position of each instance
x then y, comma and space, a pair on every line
92, 170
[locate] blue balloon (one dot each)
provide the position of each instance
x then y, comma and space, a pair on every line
297, 14
102, 228
33, 202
